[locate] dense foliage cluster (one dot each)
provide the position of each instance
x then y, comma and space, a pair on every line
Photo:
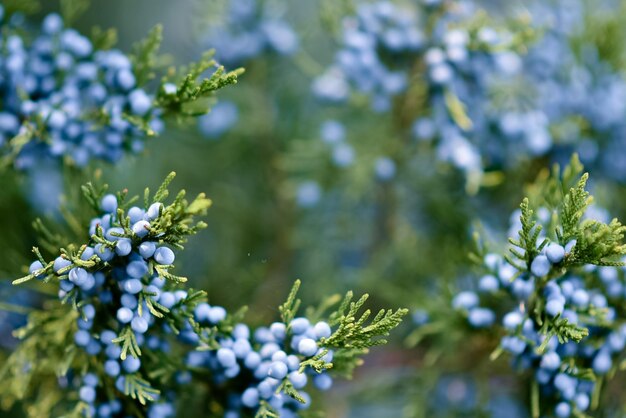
130, 310
64, 97
561, 280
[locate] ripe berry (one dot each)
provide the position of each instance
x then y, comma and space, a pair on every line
164, 256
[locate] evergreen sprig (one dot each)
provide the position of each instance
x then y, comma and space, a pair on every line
145, 55
45, 353
359, 333
289, 309
183, 92
576, 201
140, 389
528, 236
174, 224
599, 244
266, 411
355, 334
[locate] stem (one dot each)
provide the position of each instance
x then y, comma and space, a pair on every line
534, 399
9, 307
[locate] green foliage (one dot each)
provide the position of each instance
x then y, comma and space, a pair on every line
562, 329
355, 334
140, 389
45, 353
359, 333
574, 205
352, 338
174, 224
599, 244
103, 39
266, 411
21, 6
457, 111
47, 349
528, 236
566, 196
145, 55
191, 90
287, 388
72, 9
596, 243
292, 304
128, 341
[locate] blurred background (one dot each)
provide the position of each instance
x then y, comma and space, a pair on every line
364, 145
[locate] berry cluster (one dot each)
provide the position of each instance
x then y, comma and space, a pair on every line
91, 389
122, 268
571, 90
487, 105
560, 319
384, 45
129, 316
542, 103
260, 366
63, 98
126, 297
379, 30
251, 28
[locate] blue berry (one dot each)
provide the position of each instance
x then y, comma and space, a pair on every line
137, 269
147, 249
555, 253
481, 317
278, 330
465, 300
124, 315
250, 398
297, 379
131, 364
602, 362
278, 370
60, 263
87, 394
307, 347
141, 228
563, 410
123, 247
217, 314
154, 210
322, 330
323, 381
109, 203
299, 325
129, 301
164, 255
82, 338
35, 265
226, 357
133, 286
540, 266
488, 283
107, 336
512, 320
550, 361
140, 102
139, 324
90, 379
168, 300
